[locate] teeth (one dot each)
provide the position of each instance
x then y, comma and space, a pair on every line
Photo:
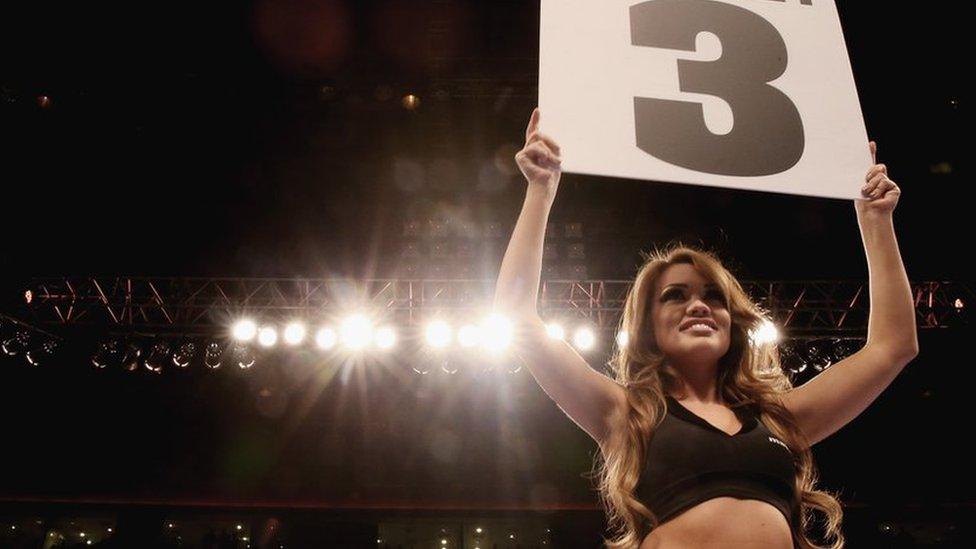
699, 325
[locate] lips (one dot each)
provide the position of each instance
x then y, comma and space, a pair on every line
689, 323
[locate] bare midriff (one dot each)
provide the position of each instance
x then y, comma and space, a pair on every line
723, 523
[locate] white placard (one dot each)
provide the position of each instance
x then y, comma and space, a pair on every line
745, 94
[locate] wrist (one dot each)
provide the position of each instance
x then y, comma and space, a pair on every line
538, 191
869, 216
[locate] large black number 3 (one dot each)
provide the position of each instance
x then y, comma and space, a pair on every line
767, 133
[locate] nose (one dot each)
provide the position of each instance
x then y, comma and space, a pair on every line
698, 308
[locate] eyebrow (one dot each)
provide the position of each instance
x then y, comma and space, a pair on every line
708, 285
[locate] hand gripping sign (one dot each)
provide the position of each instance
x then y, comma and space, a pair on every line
745, 94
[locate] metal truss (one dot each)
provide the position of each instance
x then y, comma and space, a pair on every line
200, 305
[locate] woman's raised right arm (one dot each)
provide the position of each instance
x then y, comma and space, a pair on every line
592, 400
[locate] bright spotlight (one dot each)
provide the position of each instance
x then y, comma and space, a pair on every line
326, 338
555, 331
267, 336
438, 334
766, 333
622, 339
583, 339
385, 337
468, 336
245, 330
294, 333
356, 332
496, 333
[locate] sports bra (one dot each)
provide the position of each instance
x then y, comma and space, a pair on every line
689, 461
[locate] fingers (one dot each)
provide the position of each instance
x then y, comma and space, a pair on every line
543, 153
550, 142
874, 170
539, 153
878, 185
874, 151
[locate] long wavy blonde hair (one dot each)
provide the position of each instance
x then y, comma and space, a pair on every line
749, 374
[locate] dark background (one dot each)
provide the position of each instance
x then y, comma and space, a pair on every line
232, 139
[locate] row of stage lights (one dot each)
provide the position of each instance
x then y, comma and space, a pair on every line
357, 334
490, 339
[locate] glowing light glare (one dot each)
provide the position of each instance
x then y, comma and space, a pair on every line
438, 334
468, 336
584, 339
326, 338
496, 333
766, 333
245, 330
356, 332
410, 102
267, 336
622, 339
555, 331
385, 337
294, 333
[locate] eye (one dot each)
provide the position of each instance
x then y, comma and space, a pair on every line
670, 294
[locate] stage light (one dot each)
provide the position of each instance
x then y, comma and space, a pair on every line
184, 354
583, 339
245, 330
438, 334
244, 355
356, 332
17, 343
842, 348
622, 339
326, 338
267, 336
496, 333
468, 336
41, 354
765, 333
211, 356
555, 331
131, 356
157, 357
385, 337
294, 333
107, 354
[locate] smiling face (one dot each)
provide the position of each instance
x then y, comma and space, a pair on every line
683, 297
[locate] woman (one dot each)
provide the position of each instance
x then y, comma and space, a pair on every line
704, 442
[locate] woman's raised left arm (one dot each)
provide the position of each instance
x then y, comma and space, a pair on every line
891, 324
840, 393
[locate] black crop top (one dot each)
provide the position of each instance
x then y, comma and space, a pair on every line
690, 461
